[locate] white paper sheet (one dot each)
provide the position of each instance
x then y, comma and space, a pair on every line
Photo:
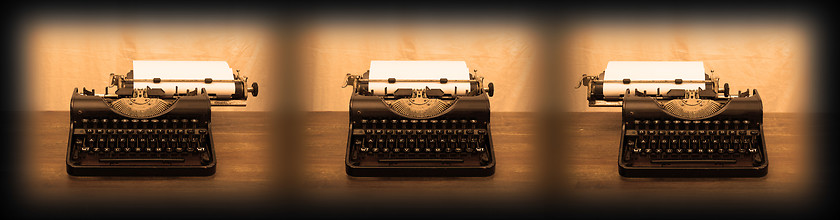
216, 70
652, 70
431, 70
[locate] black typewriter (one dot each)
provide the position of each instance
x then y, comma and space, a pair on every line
145, 131
419, 131
684, 132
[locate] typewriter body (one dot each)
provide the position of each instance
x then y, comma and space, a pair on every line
419, 118
151, 126
678, 122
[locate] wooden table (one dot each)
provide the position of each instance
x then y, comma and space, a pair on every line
562, 165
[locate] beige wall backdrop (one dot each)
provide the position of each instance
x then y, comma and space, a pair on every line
501, 50
62, 54
771, 55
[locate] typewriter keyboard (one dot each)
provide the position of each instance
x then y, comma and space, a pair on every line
692, 143
140, 142
419, 143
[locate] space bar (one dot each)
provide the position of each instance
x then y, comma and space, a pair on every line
693, 161
141, 160
420, 160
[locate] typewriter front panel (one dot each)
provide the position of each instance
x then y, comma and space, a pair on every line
457, 143
103, 142
655, 143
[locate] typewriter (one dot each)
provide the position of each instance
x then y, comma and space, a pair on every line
678, 122
419, 118
155, 122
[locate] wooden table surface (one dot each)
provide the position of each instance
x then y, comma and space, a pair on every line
573, 163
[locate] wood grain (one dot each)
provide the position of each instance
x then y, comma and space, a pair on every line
586, 166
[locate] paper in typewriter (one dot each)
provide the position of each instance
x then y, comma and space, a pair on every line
652, 70
424, 70
216, 70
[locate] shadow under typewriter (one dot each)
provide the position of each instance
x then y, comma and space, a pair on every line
419, 132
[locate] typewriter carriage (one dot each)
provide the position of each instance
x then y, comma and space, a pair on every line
124, 86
